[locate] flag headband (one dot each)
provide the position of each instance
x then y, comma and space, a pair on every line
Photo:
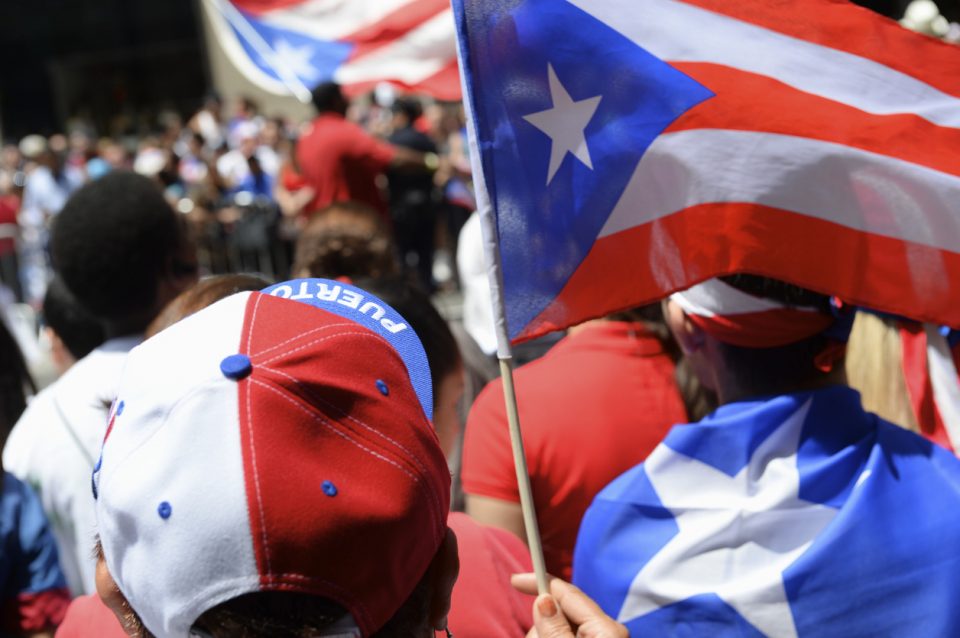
741, 319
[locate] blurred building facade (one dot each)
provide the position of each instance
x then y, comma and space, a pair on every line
110, 63
116, 64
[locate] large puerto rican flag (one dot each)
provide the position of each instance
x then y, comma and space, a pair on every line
631, 148
281, 45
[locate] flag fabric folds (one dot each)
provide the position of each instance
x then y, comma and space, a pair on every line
358, 43
632, 148
798, 515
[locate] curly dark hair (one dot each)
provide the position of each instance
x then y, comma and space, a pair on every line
346, 239
113, 242
281, 614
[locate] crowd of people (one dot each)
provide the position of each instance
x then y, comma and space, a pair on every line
269, 451
234, 174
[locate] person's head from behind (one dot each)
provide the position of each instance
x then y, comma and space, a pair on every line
748, 336
405, 111
122, 251
73, 332
328, 98
443, 353
346, 239
202, 294
16, 384
270, 470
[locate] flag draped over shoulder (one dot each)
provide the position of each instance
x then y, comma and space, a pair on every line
357, 43
632, 148
797, 515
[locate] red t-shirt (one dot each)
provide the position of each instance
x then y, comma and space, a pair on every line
341, 162
87, 616
593, 407
484, 605
9, 205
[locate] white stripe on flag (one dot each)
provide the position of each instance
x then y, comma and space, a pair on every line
664, 28
943, 380
226, 38
833, 182
418, 55
332, 19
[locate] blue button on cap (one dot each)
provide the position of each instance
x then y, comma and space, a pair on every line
236, 366
382, 386
329, 488
164, 510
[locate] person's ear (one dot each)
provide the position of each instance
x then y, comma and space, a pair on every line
443, 573
114, 599
688, 335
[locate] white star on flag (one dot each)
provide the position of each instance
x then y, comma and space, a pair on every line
736, 534
298, 60
564, 124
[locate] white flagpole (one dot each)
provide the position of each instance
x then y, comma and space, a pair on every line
236, 19
491, 252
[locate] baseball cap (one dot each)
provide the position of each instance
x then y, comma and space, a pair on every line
274, 441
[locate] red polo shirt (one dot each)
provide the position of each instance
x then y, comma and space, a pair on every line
341, 162
593, 407
88, 616
484, 605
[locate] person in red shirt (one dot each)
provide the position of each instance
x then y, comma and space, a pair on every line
340, 161
593, 407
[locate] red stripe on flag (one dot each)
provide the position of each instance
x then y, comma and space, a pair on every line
775, 107
847, 27
394, 25
643, 264
913, 343
443, 85
259, 7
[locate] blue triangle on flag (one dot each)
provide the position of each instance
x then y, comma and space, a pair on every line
511, 47
311, 59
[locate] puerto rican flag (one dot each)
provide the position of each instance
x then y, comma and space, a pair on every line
286, 46
632, 148
797, 515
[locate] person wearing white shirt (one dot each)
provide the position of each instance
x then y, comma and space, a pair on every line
124, 254
234, 166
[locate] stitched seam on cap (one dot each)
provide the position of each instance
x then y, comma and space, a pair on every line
344, 414
253, 319
253, 449
434, 509
336, 431
302, 335
321, 340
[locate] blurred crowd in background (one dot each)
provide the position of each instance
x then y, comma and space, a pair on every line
230, 170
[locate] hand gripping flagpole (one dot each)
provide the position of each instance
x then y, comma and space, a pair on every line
491, 254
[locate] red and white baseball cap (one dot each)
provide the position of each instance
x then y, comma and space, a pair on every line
275, 441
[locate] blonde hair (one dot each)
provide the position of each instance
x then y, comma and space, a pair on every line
875, 368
